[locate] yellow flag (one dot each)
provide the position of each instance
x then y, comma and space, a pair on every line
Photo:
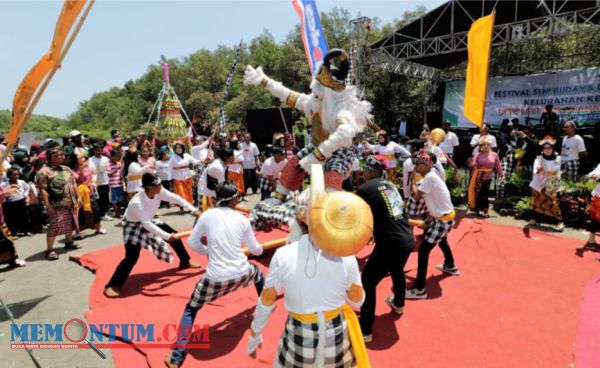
38, 73
479, 46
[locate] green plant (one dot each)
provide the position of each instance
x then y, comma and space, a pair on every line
520, 180
523, 208
578, 188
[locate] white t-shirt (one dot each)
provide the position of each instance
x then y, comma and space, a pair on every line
571, 147
142, 209
22, 193
436, 194
272, 168
98, 166
226, 230
163, 170
389, 151
216, 169
355, 165
250, 152
477, 137
321, 286
449, 142
407, 168
136, 171
200, 152
180, 167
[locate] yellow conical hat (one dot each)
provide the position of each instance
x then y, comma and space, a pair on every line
340, 223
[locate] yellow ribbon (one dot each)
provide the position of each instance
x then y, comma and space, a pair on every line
354, 332
472, 185
447, 217
84, 193
134, 177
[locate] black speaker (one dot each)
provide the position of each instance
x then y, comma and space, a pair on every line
263, 123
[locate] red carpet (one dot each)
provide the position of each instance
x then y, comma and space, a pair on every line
516, 304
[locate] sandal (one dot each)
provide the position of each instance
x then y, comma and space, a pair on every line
78, 236
72, 245
51, 255
100, 232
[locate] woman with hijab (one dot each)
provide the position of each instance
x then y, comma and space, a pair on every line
180, 163
545, 185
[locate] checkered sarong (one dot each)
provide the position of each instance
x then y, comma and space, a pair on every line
340, 161
437, 230
134, 233
279, 214
62, 222
264, 185
508, 166
570, 169
298, 344
416, 208
206, 290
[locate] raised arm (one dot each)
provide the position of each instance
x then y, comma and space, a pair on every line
291, 98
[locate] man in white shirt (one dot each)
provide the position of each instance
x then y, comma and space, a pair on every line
319, 287
441, 210
250, 152
140, 230
215, 173
219, 233
483, 132
269, 174
573, 149
98, 164
450, 140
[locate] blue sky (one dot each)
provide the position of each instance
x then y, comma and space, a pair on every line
120, 39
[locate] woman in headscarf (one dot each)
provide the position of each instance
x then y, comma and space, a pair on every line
484, 164
545, 185
180, 163
389, 150
61, 198
89, 216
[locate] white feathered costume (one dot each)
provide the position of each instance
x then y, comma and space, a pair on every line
336, 116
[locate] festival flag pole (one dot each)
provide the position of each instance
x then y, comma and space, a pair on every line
47, 66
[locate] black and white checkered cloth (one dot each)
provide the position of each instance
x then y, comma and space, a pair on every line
437, 230
416, 208
570, 169
134, 233
508, 166
298, 344
264, 185
280, 214
206, 290
340, 161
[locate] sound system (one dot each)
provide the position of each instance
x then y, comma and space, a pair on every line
263, 123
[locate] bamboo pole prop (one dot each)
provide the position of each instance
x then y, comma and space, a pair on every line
40, 91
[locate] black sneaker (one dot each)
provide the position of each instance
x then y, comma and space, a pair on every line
451, 271
414, 293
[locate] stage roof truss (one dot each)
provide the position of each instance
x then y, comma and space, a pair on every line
429, 40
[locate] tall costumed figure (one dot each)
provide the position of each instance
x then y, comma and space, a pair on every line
336, 116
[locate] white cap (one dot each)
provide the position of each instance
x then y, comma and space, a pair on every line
74, 133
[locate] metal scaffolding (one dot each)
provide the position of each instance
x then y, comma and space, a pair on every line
437, 41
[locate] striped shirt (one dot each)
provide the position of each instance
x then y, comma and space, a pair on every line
115, 180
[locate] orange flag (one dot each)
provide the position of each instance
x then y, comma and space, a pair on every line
479, 46
38, 73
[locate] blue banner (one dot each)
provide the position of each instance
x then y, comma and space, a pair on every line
313, 37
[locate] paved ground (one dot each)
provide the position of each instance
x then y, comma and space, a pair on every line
55, 292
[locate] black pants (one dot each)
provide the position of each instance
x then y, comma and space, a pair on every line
250, 180
35, 213
482, 202
424, 251
15, 214
379, 265
265, 195
103, 198
132, 253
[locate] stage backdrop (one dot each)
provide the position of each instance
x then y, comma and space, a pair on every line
574, 93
